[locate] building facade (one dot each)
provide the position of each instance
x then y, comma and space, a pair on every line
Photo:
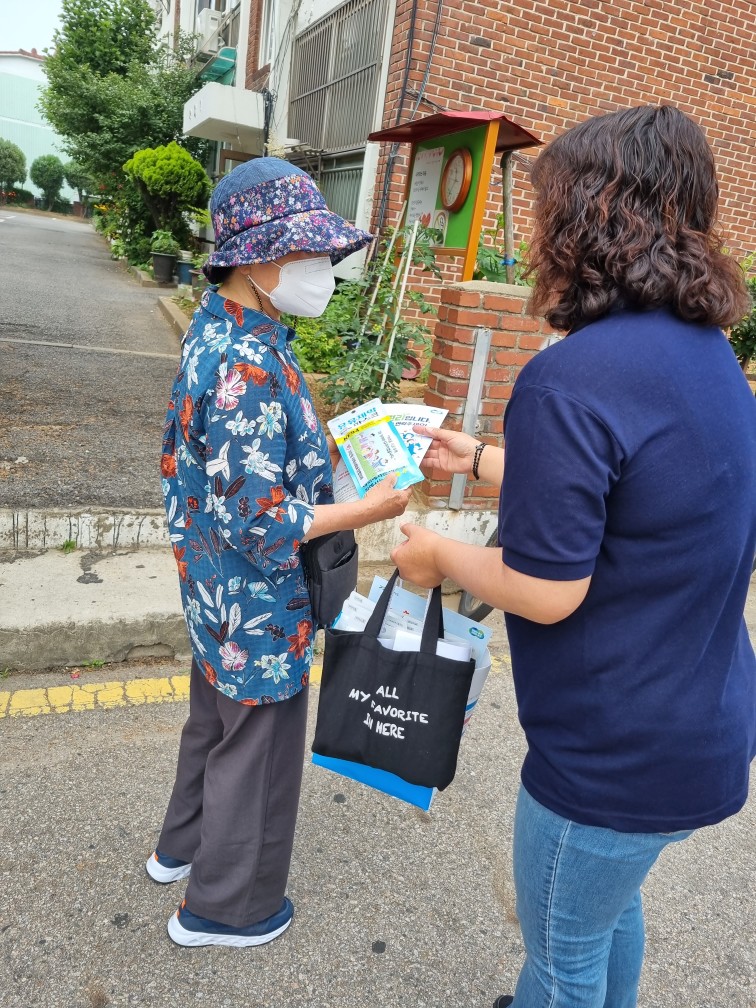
310, 79
21, 81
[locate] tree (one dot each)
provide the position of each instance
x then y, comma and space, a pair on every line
111, 90
46, 173
77, 178
12, 165
143, 109
171, 183
107, 36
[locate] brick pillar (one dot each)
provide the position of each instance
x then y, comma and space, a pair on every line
516, 337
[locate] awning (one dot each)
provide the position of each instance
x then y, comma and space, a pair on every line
219, 65
228, 114
511, 135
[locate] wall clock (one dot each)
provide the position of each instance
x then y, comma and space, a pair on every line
456, 179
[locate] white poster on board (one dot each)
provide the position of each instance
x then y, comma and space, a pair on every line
426, 176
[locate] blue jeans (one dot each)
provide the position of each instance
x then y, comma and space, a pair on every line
579, 907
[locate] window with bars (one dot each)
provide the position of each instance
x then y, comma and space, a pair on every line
339, 179
335, 74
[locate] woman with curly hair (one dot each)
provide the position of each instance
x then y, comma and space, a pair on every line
627, 525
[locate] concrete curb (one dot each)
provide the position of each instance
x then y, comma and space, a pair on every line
147, 281
108, 530
85, 528
81, 607
178, 320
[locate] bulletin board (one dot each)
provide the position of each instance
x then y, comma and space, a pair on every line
424, 202
434, 140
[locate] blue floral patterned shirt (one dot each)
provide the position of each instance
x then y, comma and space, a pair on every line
244, 461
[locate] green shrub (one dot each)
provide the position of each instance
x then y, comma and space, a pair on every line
489, 264
47, 174
364, 313
743, 335
137, 248
164, 242
12, 165
20, 197
171, 184
317, 350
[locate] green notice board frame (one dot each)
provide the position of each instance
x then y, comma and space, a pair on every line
461, 229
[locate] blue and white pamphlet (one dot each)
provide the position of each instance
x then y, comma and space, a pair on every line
375, 440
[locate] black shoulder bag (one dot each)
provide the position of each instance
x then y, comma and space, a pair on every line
329, 563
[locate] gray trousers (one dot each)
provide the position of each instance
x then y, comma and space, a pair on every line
234, 805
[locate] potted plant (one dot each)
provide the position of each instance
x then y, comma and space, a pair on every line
165, 250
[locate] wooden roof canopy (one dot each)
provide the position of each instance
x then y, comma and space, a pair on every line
511, 136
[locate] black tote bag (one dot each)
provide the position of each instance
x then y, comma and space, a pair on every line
400, 711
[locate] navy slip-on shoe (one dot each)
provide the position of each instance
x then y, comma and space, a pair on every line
164, 869
186, 928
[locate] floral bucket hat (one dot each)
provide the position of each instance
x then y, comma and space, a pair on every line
267, 208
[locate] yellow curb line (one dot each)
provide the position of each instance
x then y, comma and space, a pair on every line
128, 693
92, 696
100, 696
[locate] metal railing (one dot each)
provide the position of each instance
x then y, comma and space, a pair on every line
340, 182
335, 74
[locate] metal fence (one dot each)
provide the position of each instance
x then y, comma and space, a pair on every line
339, 181
336, 65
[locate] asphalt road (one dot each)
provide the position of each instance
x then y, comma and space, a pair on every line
88, 422
394, 907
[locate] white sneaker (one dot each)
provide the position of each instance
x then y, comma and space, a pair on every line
166, 869
185, 928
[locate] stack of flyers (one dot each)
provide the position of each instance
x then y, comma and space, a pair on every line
372, 448
361, 436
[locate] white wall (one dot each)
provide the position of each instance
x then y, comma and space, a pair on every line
21, 81
22, 66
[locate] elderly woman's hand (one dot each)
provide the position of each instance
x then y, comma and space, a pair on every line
384, 501
333, 451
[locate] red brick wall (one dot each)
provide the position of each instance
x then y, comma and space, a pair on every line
256, 77
516, 337
551, 63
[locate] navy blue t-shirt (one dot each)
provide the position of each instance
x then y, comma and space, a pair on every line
631, 457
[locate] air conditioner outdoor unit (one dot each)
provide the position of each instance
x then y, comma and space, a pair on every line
208, 28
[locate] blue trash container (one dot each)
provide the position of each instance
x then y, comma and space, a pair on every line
183, 269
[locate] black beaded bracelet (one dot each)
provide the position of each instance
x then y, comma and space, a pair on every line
476, 458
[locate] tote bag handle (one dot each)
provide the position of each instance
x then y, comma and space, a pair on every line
433, 626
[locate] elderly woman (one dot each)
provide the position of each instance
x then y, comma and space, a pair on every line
627, 523
247, 479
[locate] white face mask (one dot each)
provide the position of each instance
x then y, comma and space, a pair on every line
304, 287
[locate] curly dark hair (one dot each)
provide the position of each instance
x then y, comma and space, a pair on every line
626, 208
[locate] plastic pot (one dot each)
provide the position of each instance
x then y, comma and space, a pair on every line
184, 271
163, 266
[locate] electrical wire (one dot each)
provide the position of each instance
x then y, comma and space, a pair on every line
272, 91
394, 150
